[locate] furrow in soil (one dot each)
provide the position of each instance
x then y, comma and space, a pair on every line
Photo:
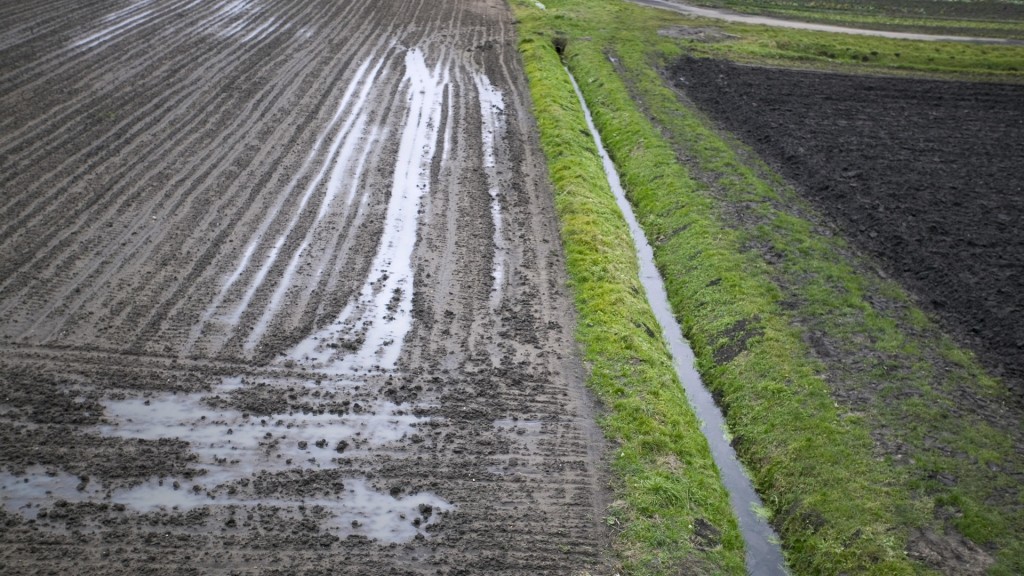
281, 289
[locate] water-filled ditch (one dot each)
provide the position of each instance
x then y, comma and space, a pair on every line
763, 554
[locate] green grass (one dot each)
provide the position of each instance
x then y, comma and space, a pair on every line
666, 478
842, 500
990, 19
794, 48
842, 52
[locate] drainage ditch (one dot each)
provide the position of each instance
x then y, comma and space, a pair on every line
763, 553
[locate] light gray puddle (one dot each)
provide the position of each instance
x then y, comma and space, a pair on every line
223, 437
233, 448
351, 110
763, 554
357, 510
372, 328
492, 108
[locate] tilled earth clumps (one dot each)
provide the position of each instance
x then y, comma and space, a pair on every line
925, 175
281, 291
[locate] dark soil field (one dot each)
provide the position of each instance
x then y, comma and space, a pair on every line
926, 176
282, 292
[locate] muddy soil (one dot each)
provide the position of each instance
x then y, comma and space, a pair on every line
926, 176
281, 291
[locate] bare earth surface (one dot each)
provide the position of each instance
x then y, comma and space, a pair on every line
281, 291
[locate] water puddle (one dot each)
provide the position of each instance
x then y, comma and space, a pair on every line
112, 31
349, 137
763, 554
370, 331
342, 137
241, 13
263, 30
356, 510
234, 8
492, 109
126, 20
27, 493
127, 10
241, 443
236, 450
353, 137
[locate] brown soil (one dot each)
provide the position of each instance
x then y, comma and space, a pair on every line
177, 224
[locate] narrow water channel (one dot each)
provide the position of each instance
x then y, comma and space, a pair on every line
763, 554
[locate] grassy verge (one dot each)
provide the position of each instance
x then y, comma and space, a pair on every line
988, 19
668, 480
957, 469
852, 483
844, 52
793, 48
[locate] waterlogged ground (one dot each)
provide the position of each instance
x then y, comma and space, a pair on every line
281, 290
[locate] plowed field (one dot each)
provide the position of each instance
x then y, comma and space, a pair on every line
924, 175
281, 291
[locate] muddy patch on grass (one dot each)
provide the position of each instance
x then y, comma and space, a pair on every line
696, 34
951, 553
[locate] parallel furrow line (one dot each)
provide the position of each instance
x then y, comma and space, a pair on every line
39, 19
275, 170
179, 99
68, 62
189, 205
152, 323
137, 59
130, 178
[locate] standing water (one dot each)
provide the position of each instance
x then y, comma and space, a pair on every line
764, 557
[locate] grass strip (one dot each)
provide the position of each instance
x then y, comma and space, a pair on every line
988, 19
960, 469
668, 483
834, 504
839, 506
784, 47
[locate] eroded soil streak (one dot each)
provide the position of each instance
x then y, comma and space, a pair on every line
281, 290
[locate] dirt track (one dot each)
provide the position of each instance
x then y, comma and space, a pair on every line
281, 290
730, 16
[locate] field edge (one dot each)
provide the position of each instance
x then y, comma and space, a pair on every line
665, 480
